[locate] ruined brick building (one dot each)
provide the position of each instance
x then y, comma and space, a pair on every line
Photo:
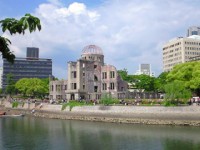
89, 78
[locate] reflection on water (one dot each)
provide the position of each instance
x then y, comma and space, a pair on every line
48, 134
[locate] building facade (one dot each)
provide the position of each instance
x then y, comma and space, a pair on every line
145, 69
180, 50
90, 78
30, 67
194, 30
58, 88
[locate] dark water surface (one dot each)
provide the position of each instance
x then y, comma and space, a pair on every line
51, 134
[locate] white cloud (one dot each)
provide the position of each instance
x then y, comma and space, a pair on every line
77, 8
129, 32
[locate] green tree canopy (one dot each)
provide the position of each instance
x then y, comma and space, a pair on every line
16, 26
160, 81
189, 73
123, 74
138, 81
145, 82
32, 87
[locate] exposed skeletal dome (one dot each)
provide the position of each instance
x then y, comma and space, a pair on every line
92, 49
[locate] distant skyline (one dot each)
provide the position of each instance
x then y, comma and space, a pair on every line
129, 32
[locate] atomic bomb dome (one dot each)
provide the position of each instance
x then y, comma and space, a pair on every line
89, 78
92, 49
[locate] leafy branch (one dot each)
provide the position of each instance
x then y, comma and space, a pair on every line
16, 26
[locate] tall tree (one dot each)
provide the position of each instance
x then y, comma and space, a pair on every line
10, 88
145, 82
31, 87
46, 85
160, 81
16, 26
176, 92
123, 74
189, 73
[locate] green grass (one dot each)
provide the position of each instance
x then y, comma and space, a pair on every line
72, 104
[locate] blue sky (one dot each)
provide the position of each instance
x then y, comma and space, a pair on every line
130, 32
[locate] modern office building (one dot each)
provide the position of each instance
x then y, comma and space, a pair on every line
89, 78
144, 69
180, 50
193, 30
30, 67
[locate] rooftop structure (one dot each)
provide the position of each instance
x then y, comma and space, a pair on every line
193, 30
32, 52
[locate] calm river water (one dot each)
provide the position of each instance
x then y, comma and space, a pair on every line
51, 134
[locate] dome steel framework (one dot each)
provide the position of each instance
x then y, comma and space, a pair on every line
92, 49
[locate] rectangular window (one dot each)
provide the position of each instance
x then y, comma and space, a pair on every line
98, 96
58, 88
104, 85
52, 88
83, 87
104, 75
112, 74
112, 86
73, 74
95, 78
95, 88
73, 86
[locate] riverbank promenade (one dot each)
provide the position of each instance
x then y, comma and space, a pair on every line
181, 115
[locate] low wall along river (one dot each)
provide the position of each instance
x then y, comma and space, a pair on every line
181, 115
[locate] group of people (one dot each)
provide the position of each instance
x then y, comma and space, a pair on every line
194, 100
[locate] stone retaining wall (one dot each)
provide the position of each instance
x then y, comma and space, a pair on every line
182, 115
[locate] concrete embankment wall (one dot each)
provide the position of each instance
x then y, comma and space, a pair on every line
182, 115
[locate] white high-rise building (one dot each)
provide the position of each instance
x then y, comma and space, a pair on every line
180, 50
144, 69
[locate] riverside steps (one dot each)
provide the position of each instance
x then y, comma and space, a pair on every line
181, 115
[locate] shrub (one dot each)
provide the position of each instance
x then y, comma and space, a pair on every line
15, 104
108, 100
72, 104
170, 103
64, 105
